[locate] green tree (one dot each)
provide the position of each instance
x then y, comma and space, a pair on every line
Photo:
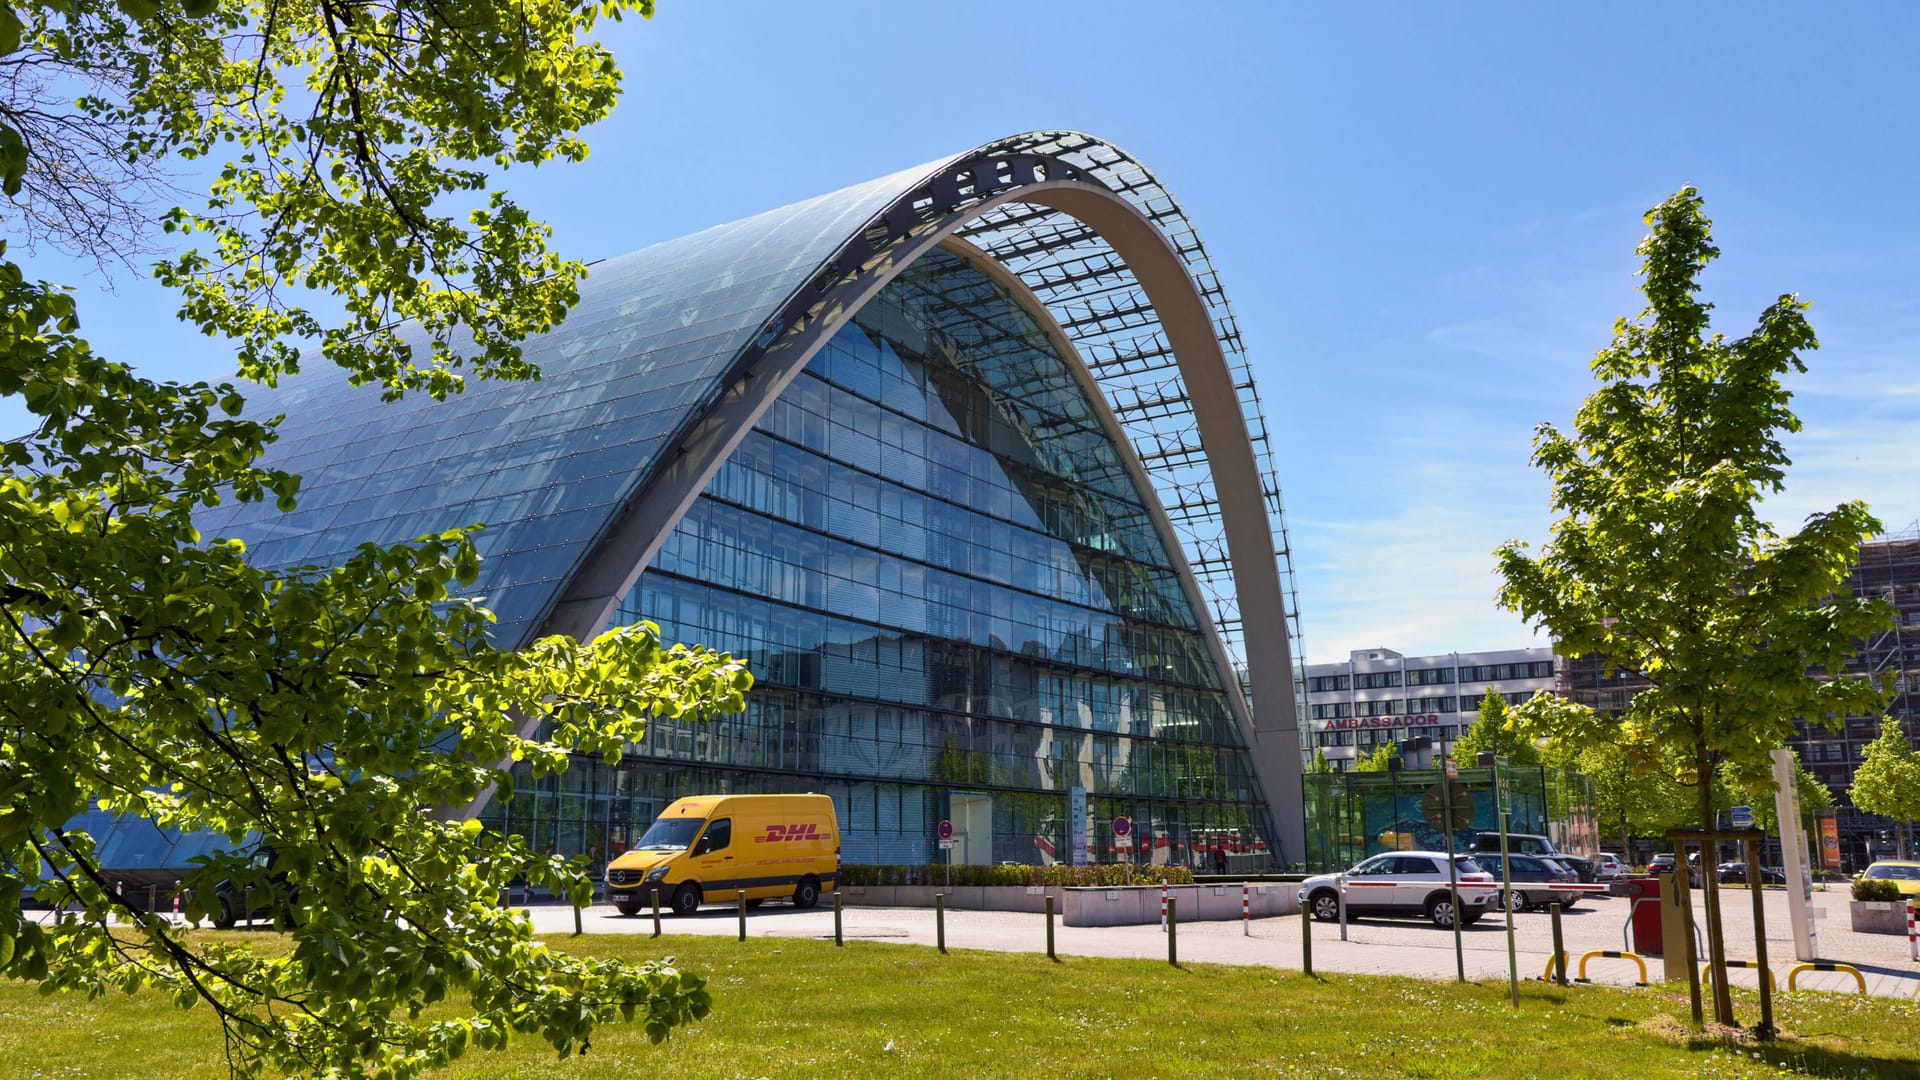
1888, 780
1375, 762
343, 716
1660, 562
1492, 730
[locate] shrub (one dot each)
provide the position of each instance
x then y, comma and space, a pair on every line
1875, 889
853, 874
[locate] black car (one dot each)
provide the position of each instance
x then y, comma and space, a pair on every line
262, 894
1735, 873
1661, 864
1538, 874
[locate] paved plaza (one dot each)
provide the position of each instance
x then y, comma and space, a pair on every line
1372, 946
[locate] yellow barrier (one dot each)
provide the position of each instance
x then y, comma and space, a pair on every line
1635, 957
1547, 975
1793, 976
1705, 969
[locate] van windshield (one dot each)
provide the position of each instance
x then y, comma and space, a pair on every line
670, 834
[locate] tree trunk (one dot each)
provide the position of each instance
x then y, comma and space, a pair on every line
1710, 888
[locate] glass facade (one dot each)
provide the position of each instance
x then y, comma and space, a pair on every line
955, 601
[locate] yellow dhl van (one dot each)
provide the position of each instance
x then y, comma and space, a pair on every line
709, 847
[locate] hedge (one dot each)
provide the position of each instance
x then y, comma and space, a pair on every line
963, 874
1876, 889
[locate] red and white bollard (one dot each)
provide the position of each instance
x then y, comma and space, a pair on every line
1163, 907
1913, 942
1246, 910
176, 898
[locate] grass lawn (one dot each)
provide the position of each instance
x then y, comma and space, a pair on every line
802, 1008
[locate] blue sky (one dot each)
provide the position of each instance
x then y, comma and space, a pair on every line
1425, 216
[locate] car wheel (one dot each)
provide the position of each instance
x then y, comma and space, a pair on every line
1440, 910
1325, 905
807, 893
686, 899
627, 909
226, 918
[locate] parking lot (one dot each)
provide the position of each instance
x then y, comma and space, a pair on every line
1373, 946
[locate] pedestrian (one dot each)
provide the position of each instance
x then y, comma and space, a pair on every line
1219, 858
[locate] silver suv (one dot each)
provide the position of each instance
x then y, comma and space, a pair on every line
1401, 883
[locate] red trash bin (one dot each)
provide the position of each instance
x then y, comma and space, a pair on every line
1644, 895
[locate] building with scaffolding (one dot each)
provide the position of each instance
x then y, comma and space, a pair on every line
1889, 569
967, 462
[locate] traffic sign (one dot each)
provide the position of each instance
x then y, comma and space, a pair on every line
1453, 769
946, 843
944, 830
1743, 817
1121, 826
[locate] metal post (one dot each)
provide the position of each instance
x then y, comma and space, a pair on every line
1050, 953
656, 913
743, 914
1684, 898
1765, 1030
1306, 938
837, 939
152, 891
1559, 946
1453, 870
1173, 932
940, 920
1506, 875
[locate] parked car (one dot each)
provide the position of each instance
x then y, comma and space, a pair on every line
260, 894
1608, 867
1401, 883
1661, 864
1533, 844
1533, 871
1735, 873
1901, 872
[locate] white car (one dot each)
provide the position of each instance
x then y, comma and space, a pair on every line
1608, 867
1401, 883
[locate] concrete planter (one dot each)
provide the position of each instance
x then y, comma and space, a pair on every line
1878, 916
1140, 904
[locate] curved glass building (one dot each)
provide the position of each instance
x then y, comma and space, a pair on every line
966, 462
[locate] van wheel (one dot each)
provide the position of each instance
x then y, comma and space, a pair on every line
807, 893
628, 909
754, 905
226, 918
1325, 905
686, 899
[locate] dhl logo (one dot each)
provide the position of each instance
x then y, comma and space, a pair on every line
785, 834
